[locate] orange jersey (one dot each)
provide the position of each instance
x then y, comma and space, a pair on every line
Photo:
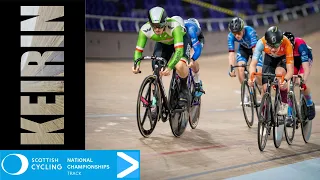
284, 49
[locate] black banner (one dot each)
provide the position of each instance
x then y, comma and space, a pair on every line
43, 70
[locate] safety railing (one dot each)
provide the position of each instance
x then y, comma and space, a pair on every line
275, 17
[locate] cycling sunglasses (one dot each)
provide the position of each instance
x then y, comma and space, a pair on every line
236, 33
158, 25
276, 45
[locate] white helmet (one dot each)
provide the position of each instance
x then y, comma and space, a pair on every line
195, 21
179, 20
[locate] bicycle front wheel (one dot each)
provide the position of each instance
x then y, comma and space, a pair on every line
247, 104
151, 113
264, 121
279, 122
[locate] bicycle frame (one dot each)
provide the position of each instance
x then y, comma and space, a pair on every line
272, 80
159, 63
292, 85
246, 78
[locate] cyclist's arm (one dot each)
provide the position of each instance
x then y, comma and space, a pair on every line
289, 60
303, 51
197, 47
201, 38
256, 55
178, 46
232, 57
254, 39
141, 43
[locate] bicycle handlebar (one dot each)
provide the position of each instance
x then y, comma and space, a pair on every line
302, 85
266, 74
298, 76
242, 65
164, 61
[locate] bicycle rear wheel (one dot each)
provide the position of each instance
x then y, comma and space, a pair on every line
148, 83
195, 106
178, 118
248, 116
290, 135
306, 124
264, 121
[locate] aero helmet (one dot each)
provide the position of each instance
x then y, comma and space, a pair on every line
290, 36
273, 36
157, 17
236, 25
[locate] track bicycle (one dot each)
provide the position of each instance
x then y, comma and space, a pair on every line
163, 108
253, 103
299, 112
268, 112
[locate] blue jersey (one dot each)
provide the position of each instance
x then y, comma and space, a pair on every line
249, 39
194, 31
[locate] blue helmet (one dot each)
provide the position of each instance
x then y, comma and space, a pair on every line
195, 21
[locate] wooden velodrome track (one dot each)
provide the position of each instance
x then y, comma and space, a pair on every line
222, 146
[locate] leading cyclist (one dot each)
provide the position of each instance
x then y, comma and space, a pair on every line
278, 59
170, 38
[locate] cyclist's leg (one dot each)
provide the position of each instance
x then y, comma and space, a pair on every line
197, 80
307, 94
259, 70
183, 71
242, 58
160, 50
196, 69
295, 72
267, 67
281, 69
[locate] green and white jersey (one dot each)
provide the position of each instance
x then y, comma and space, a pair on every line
172, 34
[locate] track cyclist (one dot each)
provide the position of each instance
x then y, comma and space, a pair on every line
247, 38
303, 59
192, 27
278, 59
194, 30
170, 37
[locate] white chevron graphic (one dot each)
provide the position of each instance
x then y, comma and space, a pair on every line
135, 165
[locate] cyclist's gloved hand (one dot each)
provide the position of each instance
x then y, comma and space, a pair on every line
232, 73
283, 84
136, 70
304, 87
165, 72
251, 82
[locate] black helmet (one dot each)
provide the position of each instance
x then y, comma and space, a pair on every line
273, 36
236, 25
290, 36
157, 17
